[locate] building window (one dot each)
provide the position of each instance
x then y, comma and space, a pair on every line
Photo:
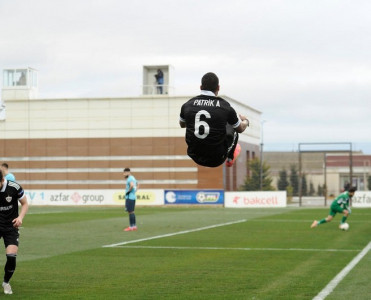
358, 182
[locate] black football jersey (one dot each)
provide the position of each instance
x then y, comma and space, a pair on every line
9, 196
206, 118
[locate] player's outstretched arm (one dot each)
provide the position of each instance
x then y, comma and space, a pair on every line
17, 222
243, 125
182, 124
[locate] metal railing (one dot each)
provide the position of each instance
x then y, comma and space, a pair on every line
156, 89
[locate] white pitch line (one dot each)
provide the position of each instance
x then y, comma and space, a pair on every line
174, 233
240, 249
297, 221
339, 277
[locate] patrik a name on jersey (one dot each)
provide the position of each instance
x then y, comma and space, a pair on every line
208, 102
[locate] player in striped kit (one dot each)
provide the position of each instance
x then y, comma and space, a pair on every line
212, 126
10, 220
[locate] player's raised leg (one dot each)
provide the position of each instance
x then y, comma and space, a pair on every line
234, 148
324, 220
236, 153
344, 218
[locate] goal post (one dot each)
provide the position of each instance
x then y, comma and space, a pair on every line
341, 147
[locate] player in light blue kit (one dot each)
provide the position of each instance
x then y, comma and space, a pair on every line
7, 174
130, 198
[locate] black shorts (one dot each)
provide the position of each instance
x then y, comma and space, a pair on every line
129, 205
214, 155
10, 236
208, 157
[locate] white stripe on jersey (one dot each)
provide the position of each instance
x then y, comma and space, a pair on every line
14, 184
237, 124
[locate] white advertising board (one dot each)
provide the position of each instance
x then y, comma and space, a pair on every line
361, 199
255, 199
92, 197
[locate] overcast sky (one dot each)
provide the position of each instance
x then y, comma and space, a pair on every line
305, 64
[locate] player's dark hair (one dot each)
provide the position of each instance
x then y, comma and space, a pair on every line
352, 189
127, 170
5, 165
210, 82
1, 176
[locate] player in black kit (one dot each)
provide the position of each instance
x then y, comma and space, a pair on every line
10, 193
212, 126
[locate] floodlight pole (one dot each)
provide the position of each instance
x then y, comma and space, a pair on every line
261, 156
351, 165
300, 162
261, 167
325, 175
350, 169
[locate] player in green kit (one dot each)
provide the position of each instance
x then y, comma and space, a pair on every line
339, 205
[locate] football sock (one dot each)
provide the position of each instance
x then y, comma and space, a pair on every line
321, 221
9, 266
132, 220
343, 219
230, 154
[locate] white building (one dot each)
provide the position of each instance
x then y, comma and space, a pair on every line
86, 142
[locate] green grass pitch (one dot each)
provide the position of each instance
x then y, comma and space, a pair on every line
177, 253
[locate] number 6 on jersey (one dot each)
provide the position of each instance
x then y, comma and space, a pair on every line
199, 123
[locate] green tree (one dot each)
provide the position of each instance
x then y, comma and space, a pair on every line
369, 182
289, 192
252, 183
319, 190
283, 181
312, 191
294, 180
304, 186
324, 190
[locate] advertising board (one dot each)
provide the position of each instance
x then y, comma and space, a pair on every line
92, 197
209, 197
255, 199
361, 199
